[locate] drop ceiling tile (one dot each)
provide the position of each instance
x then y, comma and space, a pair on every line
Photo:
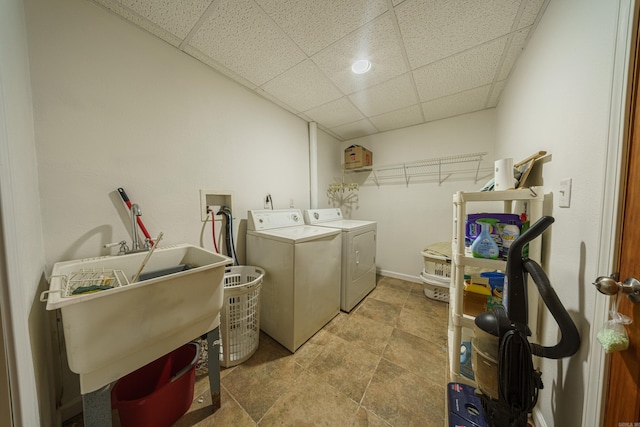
378, 42
139, 21
303, 87
513, 51
436, 29
472, 68
335, 113
496, 91
398, 119
241, 37
354, 130
217, 66
460, 103
389, 96
176, 16
531, 11
314, 24
277, 101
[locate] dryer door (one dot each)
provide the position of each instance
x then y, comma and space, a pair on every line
358, 268
363, 256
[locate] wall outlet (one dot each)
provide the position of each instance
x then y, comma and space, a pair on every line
214, 200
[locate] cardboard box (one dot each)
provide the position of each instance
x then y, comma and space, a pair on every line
478, 297
357, 157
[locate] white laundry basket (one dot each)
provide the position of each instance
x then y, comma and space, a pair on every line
435, 287
240, 314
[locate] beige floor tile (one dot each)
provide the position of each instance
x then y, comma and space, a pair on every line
260, 381
309, 351
229, 414
417, 355
389, 294
365, 418
418, 301
394, 283
402, 398
336, 323
366, 333
346, 366
312, 402
383, 312
423, 323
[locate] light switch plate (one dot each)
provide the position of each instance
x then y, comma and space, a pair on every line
565, 193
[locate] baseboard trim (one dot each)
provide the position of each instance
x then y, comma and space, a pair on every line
538, 419
401, 276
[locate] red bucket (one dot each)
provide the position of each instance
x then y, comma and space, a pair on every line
159, 393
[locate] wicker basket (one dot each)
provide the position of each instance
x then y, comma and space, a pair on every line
240, 314
435, 287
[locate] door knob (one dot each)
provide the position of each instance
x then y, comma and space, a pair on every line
609, 286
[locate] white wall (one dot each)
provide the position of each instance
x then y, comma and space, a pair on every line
21, 248
116, 107
559, 99
329, 167
412, 216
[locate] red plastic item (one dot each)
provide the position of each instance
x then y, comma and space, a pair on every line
159, 393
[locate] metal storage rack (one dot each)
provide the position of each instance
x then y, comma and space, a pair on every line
457, 319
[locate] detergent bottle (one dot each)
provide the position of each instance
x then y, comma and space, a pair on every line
510, 232
484, 246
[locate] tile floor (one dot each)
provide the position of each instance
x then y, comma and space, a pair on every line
383, 364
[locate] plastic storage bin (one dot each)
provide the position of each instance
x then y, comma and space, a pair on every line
159, 393
240, 314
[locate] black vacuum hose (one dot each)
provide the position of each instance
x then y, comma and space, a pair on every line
570, 339
516, 291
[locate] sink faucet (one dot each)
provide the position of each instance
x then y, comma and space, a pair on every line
135, 243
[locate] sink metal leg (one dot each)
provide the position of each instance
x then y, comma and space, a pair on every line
96, 408
213, 366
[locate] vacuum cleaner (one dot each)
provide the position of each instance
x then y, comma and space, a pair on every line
502, 355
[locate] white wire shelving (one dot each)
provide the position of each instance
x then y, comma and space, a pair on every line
441, 167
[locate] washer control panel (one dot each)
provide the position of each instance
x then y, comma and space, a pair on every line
269, 219
315, 216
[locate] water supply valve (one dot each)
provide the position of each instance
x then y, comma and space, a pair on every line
123, 247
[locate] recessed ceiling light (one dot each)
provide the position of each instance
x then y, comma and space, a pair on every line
361, 66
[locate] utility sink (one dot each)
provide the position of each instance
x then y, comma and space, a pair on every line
112, 332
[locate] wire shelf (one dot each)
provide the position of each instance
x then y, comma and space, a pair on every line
440, 167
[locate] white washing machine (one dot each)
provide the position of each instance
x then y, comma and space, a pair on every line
301, 285
358, 253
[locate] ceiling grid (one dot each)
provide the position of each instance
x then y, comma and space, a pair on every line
430, 59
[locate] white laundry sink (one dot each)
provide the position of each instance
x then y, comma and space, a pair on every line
110, 333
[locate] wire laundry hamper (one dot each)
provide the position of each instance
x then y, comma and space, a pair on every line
240, 314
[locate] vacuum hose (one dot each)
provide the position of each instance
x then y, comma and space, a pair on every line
570, 339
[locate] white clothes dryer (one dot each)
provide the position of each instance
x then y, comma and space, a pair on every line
301, 285
358, 253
